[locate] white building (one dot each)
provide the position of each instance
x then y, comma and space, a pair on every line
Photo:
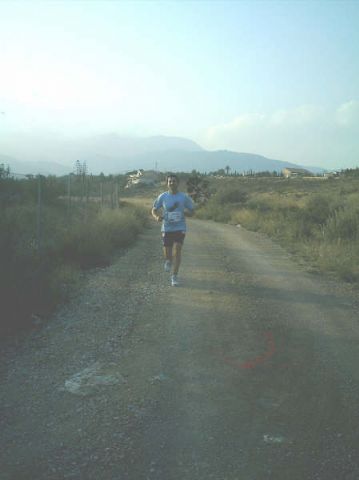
142, 177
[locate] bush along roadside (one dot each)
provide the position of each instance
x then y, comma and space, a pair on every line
318, 221
35, 278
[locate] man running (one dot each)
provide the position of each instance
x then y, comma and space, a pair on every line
175, 206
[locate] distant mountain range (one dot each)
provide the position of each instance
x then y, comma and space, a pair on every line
23, 168
207, 161
113, 154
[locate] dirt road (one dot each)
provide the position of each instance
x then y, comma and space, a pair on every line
248, 371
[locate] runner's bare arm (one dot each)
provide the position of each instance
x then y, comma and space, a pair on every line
156, 214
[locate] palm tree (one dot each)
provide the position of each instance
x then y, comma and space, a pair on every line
227, 169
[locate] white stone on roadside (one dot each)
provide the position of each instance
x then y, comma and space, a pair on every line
273, 439
87, 380
159, 378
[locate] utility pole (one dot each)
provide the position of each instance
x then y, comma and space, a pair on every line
118, 192
39, 212
69, 191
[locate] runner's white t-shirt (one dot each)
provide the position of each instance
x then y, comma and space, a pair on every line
173, 205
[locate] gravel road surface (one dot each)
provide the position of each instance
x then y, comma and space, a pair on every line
247, 371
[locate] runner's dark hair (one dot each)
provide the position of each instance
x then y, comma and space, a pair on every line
171, 175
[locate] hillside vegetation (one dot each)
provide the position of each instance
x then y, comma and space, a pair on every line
47, 237
316, 218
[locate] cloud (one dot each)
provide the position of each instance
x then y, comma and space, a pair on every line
301, 116
348, 114
308, 134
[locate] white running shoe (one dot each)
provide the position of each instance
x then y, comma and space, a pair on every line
167, 266
174, 281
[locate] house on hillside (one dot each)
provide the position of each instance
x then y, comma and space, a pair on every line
296, 172
142, 177
333, 174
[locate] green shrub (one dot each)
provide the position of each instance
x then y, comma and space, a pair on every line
310, 220
318, 210
247, 218
260, 204
214, 211
63, 280
231, 195
343, 225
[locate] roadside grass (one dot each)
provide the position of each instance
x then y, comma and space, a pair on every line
35, 278
315, 218
92, 243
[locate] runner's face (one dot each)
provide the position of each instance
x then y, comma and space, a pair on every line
172, 184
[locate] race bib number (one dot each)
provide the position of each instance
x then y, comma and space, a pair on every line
174, 217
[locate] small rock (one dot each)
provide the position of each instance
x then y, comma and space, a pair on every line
159, 378
273, 439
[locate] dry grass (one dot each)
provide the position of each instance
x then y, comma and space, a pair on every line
33, 281
317, 219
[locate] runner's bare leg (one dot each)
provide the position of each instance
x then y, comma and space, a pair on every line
167, 253
177, 249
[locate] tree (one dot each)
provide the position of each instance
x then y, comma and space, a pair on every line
221, 172
197, 187
80, 168
4, 171
227, 169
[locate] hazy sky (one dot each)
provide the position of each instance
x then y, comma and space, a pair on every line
279, 79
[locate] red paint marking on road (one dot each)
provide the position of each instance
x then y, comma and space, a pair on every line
250, 364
